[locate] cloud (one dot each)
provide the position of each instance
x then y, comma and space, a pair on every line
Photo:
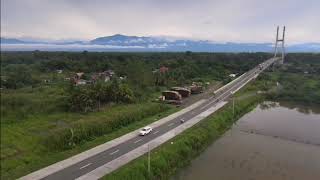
217, 20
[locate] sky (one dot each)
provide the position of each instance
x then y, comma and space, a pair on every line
215, 20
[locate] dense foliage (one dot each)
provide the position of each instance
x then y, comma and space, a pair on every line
137, 67
91, 97
28, 77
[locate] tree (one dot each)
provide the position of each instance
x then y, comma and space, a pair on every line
18, 76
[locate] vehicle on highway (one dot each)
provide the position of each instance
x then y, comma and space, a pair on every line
146, 130
260, 66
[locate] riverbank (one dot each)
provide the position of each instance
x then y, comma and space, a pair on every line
277, 140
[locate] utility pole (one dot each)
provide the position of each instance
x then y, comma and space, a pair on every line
149, 160
233, 108
232, 95
233, 118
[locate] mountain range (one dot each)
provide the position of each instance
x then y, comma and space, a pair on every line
120, 42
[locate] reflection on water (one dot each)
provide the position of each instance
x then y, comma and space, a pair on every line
303, 108
277, 140
284, 120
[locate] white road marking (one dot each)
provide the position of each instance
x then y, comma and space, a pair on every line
203, 107
137, 141
156, 132
85, 166
170, 124
114, 152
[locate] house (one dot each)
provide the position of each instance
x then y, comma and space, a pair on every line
79, 75
109, 73
77, 79
104, 76
59, 71
81, 82
163, 69
107, 78
232, 75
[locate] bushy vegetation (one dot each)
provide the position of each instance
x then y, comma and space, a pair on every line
91, 97
18, 105
84, 130
303, 63
294, 87
169, 157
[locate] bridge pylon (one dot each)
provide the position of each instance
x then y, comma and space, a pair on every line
282, 44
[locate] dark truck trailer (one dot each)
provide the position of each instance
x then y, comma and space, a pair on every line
184, 92
196, 89
171, 95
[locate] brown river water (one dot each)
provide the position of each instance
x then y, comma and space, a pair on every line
275, 141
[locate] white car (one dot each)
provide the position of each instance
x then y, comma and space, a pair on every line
145, 130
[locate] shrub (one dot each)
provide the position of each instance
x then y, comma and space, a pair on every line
84, 130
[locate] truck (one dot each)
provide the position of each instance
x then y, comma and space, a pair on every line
196, 89
184, 92
171, 95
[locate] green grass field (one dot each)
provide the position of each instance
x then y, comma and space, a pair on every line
23, 147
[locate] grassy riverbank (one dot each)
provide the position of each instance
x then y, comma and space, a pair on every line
168, 158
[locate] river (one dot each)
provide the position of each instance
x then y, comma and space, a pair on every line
274, 141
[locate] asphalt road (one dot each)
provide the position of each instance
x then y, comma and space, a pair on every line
93, 162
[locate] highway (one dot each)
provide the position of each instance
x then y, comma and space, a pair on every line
89, 164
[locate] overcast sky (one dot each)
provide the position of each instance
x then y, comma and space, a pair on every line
217, 20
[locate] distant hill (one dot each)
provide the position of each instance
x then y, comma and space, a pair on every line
120, 42
11, 41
